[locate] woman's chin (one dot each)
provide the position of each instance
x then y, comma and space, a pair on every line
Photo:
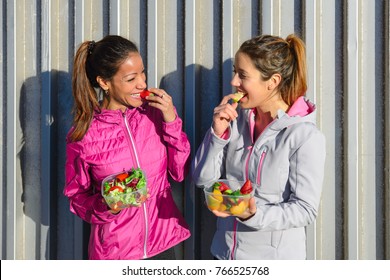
134, 101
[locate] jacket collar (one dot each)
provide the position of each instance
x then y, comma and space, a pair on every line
116, 116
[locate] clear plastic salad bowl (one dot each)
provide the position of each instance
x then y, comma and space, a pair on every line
229, 196
125, 189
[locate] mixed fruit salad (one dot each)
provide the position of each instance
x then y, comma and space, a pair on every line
125, 189
231, 197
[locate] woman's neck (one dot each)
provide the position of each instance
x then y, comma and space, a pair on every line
264, 116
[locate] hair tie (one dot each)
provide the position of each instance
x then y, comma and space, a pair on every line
91, 46
288, 42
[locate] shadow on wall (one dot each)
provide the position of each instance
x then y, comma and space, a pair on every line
209, 86
45, 117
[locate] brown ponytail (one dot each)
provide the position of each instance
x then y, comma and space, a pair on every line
271, 55
298, 85
85, 96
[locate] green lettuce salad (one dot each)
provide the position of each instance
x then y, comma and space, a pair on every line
125, 189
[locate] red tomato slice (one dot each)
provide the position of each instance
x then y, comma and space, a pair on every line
115, 188
122, 177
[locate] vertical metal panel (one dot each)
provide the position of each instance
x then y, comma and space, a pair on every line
324, 96
386, 127
62, 42
227, 45
368, 108
190, 123
153, 55
3, 98
10, 141
268, 17
46, 124
115, 16
311, 39
286, 18
247, 19
188, 48
353, 137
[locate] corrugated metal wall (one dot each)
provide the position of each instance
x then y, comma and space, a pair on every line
188, 48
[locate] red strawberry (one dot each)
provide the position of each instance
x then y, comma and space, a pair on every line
221, 186
145, 93
247, 187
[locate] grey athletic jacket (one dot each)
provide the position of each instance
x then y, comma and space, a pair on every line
287, 162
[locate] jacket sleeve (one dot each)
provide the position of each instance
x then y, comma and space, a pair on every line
83, 202
207, 165
306, 177
178, 149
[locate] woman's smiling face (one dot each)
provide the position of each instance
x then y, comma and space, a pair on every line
248, 80
125, 86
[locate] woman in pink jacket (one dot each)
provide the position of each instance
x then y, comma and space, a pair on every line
115, 130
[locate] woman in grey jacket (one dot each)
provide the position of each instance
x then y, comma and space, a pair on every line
270, 138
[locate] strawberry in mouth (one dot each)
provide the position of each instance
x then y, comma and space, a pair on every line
145, 93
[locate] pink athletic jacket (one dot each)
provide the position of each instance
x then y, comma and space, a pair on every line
116, 142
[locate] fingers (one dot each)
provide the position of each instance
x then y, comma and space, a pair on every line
164, 102
114, 208
250, 211
226, 111
220, 214
252, 206
223, 115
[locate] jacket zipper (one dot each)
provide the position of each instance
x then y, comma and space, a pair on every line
143, 204
260, 167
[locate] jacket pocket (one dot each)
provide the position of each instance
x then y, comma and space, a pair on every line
108, 238
263, 154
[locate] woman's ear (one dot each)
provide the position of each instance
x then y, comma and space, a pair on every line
102, 83
274, 81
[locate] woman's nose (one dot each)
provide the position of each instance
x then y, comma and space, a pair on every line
235, 82
141, 83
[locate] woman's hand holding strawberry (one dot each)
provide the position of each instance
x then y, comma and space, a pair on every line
162, 101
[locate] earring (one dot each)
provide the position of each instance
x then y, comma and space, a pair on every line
106, 92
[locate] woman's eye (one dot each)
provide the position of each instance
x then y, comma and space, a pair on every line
240, 75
